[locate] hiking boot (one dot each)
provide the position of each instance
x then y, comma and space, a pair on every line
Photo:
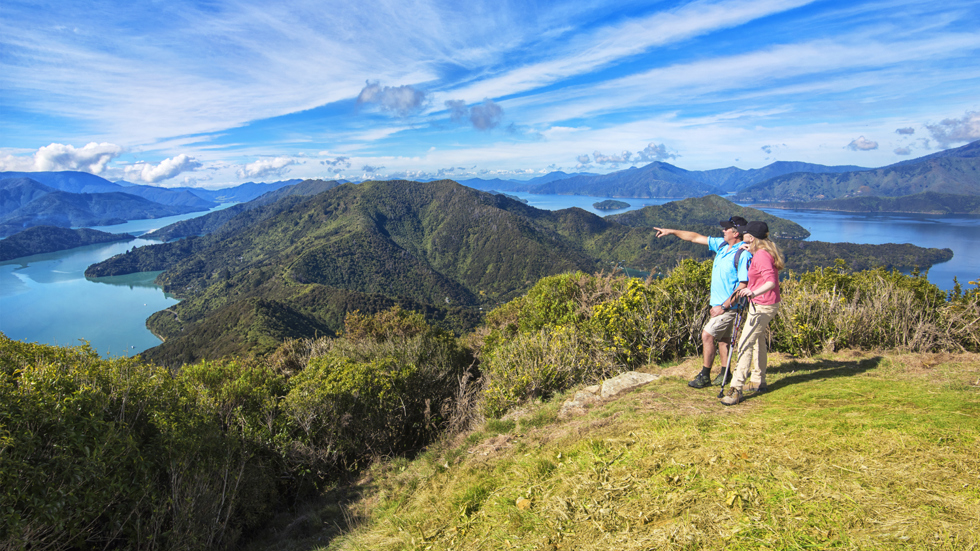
717, 381
700, 381
733, 398
756, 389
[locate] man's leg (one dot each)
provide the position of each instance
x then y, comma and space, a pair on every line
704, 377
708, 342
717, 325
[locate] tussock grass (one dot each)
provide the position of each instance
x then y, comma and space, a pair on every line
847, 450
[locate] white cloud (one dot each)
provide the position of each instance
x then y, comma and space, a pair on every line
950, 131
266, 167
92, 158
654, 152
601, 159
401, 100
903, 150
907, 131
862, 144
164, 170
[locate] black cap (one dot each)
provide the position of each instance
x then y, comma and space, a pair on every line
733, 222
755, 228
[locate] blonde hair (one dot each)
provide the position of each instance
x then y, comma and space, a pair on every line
770, 247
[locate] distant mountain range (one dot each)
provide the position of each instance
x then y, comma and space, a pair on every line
954, 171
72, 199
292, 268
950, 172
27, 203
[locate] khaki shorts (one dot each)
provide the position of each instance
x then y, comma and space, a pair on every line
720, 327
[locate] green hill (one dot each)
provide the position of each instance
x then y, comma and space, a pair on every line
705, 212
211, 222
437, 247
47, 239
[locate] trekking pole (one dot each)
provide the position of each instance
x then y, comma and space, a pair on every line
742, 303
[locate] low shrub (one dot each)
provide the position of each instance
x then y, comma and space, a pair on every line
613, 323
117, 454
379, 391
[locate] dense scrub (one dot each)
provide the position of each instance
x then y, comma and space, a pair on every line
122, 454
575, 328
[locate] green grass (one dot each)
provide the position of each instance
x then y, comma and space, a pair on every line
849, 451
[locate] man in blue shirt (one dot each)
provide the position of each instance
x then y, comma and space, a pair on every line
727, 276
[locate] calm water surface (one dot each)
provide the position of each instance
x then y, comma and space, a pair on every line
46, 298
959, 233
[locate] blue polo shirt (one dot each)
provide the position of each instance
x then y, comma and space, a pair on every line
724, 276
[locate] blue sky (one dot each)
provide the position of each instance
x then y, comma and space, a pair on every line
218, 93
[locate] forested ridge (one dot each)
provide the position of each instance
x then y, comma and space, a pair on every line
290, 268
921, 203
47, 239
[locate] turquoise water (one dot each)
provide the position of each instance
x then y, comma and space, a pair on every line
46, 298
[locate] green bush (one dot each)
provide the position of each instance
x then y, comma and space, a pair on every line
535, 364
377, 392
576, 328
115, 453
835, 308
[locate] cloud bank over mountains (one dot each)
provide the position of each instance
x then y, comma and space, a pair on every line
242, 89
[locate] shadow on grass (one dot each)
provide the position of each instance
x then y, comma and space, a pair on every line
822, 369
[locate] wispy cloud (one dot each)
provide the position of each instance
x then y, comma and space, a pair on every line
613, 43
252, 89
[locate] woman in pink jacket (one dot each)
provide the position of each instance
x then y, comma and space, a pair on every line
763, 292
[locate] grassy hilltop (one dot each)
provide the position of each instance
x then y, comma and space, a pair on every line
851, 450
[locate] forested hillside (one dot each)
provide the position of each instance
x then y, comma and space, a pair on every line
47, 239
924, 203
292, 268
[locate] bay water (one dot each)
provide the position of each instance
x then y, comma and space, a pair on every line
46, 298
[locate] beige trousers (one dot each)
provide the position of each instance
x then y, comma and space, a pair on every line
752, 347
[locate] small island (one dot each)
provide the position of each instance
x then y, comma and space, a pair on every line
49, 239
610, 204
